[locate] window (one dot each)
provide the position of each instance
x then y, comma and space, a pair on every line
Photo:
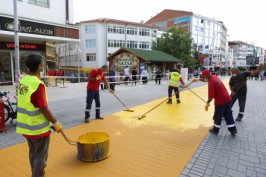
116, 29
91, 56
144, 32
90, 43
132, 31
116, 43
144, 45
132, 44
90, 29
43, 3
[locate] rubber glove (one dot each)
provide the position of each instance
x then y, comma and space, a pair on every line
57, 127
98, 77
207, 107
195, 80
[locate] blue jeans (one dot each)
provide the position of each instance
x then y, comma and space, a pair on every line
90, 96
220, 111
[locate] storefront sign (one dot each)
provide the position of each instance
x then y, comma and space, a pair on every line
125, 63
7, 24
22, 46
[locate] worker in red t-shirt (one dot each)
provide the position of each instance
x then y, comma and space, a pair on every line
222, 102
94, 80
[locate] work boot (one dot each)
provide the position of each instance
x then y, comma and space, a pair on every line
233, 133
87, 119
213, 132
239, 117
169, 102
99, 118
178, 101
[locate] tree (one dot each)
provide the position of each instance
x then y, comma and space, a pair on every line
176, 42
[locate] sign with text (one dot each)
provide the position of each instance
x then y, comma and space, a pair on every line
125, 63
7, 24
22, 46
184, 74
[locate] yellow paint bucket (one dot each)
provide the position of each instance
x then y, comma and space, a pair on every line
93, 146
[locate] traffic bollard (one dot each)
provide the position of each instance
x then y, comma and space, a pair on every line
2, 116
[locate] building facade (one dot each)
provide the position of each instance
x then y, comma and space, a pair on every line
39, 31
100, 38
244, 54
209, 35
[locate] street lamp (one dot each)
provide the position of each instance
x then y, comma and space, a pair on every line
78, 50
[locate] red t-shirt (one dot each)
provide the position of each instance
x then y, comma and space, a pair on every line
217, 90
94, 85
38, 99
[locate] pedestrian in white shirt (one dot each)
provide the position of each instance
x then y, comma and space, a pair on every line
126, 74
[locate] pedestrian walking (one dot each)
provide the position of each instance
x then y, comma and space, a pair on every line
222, 102
112, 78
134, 76
34, 118
238, 87
94, 80
144, 76
158, 75
175, 79
126, 74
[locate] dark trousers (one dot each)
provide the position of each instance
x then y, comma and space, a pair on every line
112, 85
38, 154
170, 90
144, 80
241, 101
157, 79
134, 78
126, 79
92, 95
220, 111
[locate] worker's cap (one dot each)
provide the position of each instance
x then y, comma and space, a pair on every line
104, 66
205, 73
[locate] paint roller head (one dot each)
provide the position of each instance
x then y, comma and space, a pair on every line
141, 117
128, 110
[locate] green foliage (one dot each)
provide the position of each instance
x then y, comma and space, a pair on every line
176, 42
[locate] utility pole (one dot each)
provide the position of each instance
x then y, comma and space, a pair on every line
16, 39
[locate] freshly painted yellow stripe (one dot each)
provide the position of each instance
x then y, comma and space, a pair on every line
159, 145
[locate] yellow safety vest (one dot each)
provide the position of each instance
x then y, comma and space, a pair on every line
174, 81
30, 120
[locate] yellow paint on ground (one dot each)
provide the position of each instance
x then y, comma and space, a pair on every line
160, 145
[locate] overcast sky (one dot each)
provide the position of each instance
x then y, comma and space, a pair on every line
244, 19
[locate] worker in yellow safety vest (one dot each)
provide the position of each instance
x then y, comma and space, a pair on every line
34, 119
175, 79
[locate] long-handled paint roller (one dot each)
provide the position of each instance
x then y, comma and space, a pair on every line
144, 115
127, 109
197, 95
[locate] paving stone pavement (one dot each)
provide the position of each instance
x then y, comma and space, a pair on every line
243, 155
217, 156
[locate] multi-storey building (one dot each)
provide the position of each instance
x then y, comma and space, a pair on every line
245, 54
209, 35
42, 24
101, 37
